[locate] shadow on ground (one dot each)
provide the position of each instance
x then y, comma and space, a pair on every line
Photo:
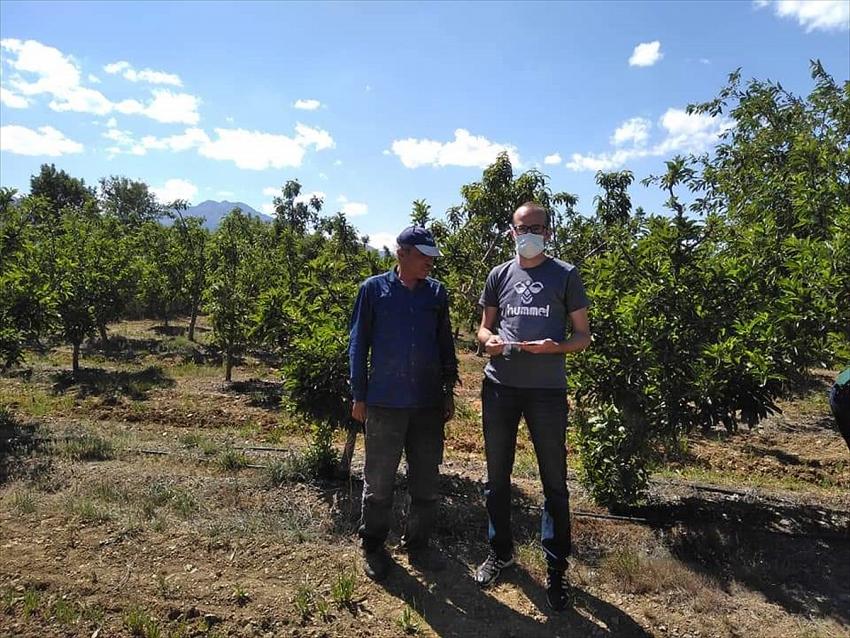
450, 601
128, 349
261, 394
20, 444
796, 555
806, 577
100, 382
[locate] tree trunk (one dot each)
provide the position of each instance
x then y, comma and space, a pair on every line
192, 322
104, 339
228, 367
75, 359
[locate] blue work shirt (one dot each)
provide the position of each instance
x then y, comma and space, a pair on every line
409, 337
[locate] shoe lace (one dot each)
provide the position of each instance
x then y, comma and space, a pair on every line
557, 579
493, 562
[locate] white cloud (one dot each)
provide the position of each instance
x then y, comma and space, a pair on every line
600, 162
337, 162
111, 122
173, 108
83, 100
554, 158
646, 54
323, 176
45, 141
352, 209
145, 75
635, 130
684, 133
268, 209
190, 138
465, 150
255, 150
175, 189
225, 193
307, 105
126, 143
56, 72
382, 239
94, 79
824, 15
13, 100
271, 191
58, 76
116, 67
308, 136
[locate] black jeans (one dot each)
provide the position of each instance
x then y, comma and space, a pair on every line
545, 411
389, 431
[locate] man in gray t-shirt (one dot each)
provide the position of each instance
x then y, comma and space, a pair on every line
535, 312
532, 304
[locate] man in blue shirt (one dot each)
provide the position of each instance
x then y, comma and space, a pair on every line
403, 371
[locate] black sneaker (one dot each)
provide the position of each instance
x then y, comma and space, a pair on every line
489, 570
376, 564
557, 589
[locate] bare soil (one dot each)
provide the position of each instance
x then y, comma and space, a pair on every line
169, 533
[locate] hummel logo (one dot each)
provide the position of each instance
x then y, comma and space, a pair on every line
527, 289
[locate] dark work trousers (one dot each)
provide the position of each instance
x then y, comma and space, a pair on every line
545, 411
419, 434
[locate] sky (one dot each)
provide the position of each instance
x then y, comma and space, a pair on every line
374, 105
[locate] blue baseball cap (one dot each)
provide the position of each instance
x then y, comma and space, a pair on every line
421, 238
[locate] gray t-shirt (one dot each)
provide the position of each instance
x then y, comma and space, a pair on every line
533, 304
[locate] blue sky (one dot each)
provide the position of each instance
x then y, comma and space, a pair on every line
377, 104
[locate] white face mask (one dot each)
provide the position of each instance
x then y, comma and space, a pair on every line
529, 245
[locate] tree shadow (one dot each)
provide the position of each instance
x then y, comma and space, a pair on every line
129, 349
786, 458
121, 348
170, 331
112, 383
260, 393
805, 577
796, 555
20, 445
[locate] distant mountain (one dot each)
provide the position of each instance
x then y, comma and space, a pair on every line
213, 212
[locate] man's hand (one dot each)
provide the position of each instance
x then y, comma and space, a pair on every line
494, 345
358, 411
543, 346
448, 407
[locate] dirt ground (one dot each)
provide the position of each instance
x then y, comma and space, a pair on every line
147, 497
